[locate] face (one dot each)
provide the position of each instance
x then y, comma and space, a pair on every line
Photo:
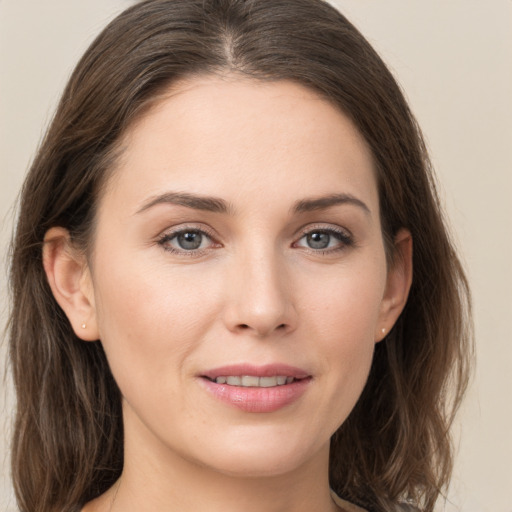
238, 279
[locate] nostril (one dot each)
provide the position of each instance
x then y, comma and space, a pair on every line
245, 327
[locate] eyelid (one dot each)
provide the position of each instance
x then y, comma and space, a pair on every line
320, 226
344, 235
171, 233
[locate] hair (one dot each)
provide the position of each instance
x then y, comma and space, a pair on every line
68, 433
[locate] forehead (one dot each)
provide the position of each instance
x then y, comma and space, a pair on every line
230, 136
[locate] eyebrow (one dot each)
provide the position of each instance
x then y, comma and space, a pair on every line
325, 202
218, 205
197, 202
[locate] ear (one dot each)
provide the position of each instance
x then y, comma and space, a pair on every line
70, 281
398, 284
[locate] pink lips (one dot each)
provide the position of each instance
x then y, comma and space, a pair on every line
257, 399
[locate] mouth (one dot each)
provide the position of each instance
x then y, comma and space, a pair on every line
257, 389
253, 381
251, 376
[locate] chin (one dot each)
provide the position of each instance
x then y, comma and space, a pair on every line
259, 456
258, 467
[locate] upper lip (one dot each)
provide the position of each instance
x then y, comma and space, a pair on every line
268, 370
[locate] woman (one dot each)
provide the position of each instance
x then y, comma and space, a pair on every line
232, 285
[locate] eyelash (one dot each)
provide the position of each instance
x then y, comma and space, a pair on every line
343, 236
167, 237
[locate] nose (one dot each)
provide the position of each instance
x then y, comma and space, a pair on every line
259, 298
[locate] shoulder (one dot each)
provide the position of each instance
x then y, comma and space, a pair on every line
350, 507
406, 508
345, 505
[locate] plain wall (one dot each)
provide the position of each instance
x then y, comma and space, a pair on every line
454, 61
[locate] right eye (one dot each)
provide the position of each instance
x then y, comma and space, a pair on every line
186, 241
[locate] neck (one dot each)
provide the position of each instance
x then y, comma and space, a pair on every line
191, 491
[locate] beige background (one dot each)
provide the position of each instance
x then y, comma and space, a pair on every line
454, 60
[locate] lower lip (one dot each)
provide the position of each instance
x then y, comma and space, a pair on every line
258, 399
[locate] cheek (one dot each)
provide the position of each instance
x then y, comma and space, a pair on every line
344, 315
346, 333
150, 320
347, 304
138, 294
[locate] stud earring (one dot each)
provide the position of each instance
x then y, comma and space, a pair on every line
84, 325
383, 330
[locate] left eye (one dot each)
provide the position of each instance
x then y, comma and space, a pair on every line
323, 239
186, 240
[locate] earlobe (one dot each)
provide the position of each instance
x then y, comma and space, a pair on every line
398, 284
70, 281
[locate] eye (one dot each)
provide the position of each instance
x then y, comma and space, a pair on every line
186, 241
325, 240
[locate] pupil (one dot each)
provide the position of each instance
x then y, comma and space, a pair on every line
318, 240
190, 240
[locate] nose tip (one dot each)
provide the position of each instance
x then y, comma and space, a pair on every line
260, 302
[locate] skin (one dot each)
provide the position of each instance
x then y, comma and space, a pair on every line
255, 291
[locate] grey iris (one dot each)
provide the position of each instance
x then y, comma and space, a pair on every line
190, 240
318, 240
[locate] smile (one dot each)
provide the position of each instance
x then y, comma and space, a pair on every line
253, 381
256, 389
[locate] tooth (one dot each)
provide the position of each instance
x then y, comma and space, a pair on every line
234, 381
268, 382
253, 381
250, 381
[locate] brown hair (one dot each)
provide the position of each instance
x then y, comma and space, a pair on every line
68, 435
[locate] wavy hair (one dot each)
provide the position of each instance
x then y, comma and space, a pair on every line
68, 433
